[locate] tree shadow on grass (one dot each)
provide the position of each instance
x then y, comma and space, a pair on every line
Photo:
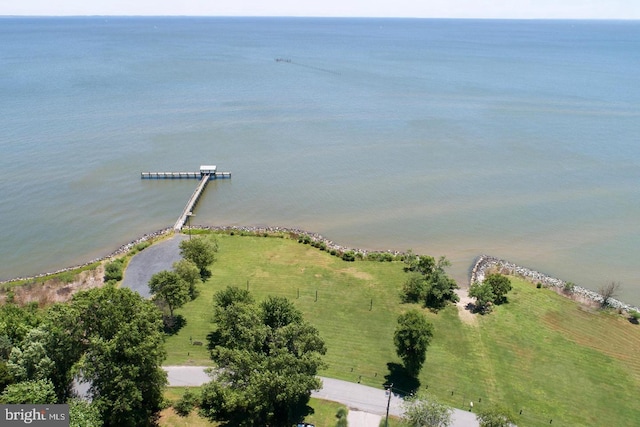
295, 414
205, 274
403, 382
173, 325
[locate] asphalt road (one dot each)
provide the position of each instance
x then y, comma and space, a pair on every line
157, 257
355, 396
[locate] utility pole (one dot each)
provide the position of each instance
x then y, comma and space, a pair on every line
390, 389
189, 215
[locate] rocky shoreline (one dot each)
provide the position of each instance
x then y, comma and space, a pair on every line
485, 263
121, 250
482, 264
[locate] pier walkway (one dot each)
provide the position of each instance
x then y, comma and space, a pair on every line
205, 174
192, 202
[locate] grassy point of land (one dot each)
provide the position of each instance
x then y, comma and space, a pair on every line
540, 352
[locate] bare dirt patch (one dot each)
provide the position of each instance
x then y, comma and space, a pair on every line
465, 306
54, 291
356, 273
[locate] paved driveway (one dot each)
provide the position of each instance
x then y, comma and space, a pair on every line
157, 257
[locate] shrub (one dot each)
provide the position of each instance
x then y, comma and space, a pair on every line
304, 239
495, 416
539, 285
142, 245
113, 270
569, 287
341, 415
380, 257
186, 404
349, 256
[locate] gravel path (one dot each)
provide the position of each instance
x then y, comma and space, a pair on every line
157, 257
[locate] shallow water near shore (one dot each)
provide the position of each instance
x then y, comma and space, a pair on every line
516, 139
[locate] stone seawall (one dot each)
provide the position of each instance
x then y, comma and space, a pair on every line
121, 250
485, 263
238, 229
482, 264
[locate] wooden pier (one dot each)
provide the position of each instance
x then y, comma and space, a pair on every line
191, 203
183, 175
205, 174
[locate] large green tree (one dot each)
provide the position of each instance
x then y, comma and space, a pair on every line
83, 414
39, 392
428, 282
412, 338
189, 272
500, 286
483, 293
47, 351
201, 251
122, 353
32, 361
267, 359
492, 290
440, 290
16, 322
169, 289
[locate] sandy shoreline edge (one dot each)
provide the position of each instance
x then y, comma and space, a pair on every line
481, 265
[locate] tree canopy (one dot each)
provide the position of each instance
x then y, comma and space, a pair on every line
424, 410
483, 293
428, 282
169, 288
500, 285
39, 392
122, 342
267, 359
201, 251
112, 338
495, 416
189, 272
492, 290
412, 338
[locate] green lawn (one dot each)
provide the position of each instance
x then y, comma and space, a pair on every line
323, 413
540, 353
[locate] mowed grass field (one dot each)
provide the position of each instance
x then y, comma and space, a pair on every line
324, 413
540, 353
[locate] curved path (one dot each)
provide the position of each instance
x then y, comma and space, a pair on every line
157, 257
357, 397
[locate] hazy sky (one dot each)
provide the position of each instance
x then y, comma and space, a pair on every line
576, 9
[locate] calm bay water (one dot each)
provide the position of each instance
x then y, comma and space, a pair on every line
518, 139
